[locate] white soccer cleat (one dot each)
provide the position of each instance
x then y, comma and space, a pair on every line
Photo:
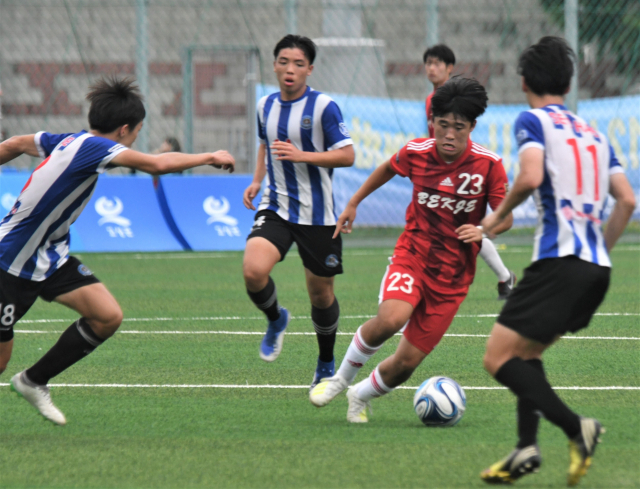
327, 390
39, 398
357, 412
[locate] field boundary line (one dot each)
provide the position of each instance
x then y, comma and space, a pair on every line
303, 333
275, 386
255, 318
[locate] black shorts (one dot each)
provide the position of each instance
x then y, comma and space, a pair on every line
320, 253
17, 295
556, 295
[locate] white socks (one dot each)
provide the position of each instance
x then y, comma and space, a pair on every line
490, 255
372, 387
357, 355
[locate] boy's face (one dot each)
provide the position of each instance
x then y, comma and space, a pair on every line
292, 69
437, 70
452, 133
127, 136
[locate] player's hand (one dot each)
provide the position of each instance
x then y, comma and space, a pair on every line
224, 160
286, 151
249, 194
345, 221
490, 222
468, 233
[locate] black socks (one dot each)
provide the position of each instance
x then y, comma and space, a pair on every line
267, 300
528, 419
529, 384
75, 343
325, 323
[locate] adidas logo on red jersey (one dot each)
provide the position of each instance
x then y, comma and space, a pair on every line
446, 182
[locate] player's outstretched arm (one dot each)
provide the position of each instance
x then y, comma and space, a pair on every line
336, 158
530, 178
621, 190
261, 170
172, 162
16, 146
377, 179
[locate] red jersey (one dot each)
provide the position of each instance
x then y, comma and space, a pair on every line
429, 118
446, 196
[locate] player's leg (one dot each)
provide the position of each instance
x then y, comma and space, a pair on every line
325, 314
539, 311
322, 259
74, 286
392, 315
427, 325
6, 348
101, 317
267, 244
389, 374
506, 278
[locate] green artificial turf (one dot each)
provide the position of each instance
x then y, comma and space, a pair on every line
202, 436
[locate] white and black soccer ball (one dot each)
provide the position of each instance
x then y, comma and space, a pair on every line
439, 401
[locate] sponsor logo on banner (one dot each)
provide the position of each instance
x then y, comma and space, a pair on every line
110, 211
217, 210
8, 200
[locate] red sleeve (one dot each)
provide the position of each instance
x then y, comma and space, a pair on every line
400, 163
497, 184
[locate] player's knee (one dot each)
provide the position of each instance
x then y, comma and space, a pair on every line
392, 322
321, 299
107, 325
254, 275
490, 363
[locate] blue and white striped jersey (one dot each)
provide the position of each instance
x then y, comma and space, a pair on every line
578, 161
301, 193
34, 235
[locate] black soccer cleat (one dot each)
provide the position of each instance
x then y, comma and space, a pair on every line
582, 448
521, 461
505, 288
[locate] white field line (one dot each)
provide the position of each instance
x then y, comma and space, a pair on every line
372, 252
269, 386
298, 333
256, 318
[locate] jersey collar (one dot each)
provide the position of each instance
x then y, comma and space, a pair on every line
289, 102
462, 157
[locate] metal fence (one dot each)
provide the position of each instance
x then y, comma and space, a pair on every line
201, 63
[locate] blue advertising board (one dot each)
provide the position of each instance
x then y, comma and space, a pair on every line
208, 211
123, 215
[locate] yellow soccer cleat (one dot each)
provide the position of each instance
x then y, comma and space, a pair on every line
357, 412
521, 461
582, 448
327, 390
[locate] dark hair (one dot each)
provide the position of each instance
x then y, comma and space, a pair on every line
307, 46
114, 103
464, 97
174, 143
547, 67
442, 52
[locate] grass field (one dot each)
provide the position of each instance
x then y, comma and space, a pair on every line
179, 397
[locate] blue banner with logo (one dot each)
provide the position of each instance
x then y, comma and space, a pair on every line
123, 215
379, 127
208, 211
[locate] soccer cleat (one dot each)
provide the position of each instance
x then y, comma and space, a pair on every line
271, 345
327, 390
521, 461
323, 371
582, 448
357, 412
39, 398
505, 288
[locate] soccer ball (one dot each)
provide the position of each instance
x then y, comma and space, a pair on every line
439, 401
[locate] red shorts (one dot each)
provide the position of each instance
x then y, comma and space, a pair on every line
434, 305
